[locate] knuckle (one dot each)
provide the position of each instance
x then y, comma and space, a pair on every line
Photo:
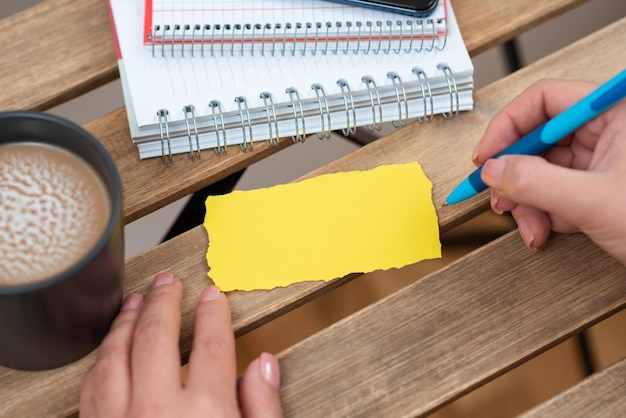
124, 319
217, 345
164, 291
148, 408
216, 407
519, 182
106, 361
150, 328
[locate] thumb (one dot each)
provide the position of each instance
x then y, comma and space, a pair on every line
570, 194
258, 388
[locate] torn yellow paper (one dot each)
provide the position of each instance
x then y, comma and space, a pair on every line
321, 228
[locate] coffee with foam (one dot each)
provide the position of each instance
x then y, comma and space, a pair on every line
53, 210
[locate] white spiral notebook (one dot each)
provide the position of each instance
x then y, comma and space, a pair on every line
184, 97
282, 27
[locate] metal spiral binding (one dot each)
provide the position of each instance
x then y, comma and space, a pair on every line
247, 144
442, 46
295, 36
432, 44
270, 110
267, 26
318, 26
221, 147
190, 114
348, 102
454, 92
400, 91
422, 34
427, 95
287, 28
321, 96
165, 134
390, 24
196, 28
255, 28
299, 136
399, 49
185, 29
371, 86
370, 36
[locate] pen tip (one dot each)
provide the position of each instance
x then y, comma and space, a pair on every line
444, 204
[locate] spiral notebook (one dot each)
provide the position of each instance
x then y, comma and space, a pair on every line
282, 27
179, 102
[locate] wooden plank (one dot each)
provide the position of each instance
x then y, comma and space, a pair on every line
601, 395
486, 24
55, 51
152, 183
433, 341
36, 61
55, 63
429, 144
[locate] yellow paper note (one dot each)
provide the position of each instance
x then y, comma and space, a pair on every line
322, 228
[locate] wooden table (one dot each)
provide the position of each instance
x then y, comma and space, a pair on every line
410, 353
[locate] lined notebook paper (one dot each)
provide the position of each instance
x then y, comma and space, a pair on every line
179, 103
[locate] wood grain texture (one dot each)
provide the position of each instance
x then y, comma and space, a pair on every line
56, 392
431, 342
571, 302
45, 64
495, 19
37, 74
601, 395
55, 51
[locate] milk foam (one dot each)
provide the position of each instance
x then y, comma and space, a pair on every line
53, 209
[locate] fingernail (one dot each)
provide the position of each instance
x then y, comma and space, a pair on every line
492, 172
527, 233
132, 301
210, 293
495, 199
270, 371
163, 279
475, 152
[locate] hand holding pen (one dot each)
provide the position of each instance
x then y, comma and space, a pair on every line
579, 184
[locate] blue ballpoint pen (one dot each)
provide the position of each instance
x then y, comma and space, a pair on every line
551, 132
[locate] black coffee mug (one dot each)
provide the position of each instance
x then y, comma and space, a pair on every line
55, 321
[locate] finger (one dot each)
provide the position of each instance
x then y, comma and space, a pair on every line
572, 195
533, 225
87, 399
106, 386
155, 357
258, 389
536, 105
212, 363
500, 204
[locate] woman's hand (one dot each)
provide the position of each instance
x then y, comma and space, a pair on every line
578, 185
137, 370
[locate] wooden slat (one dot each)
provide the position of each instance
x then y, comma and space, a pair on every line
55, 51
486, 24
441, 337
601, 395
429, 144
53, 64
148, 185
60, 49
